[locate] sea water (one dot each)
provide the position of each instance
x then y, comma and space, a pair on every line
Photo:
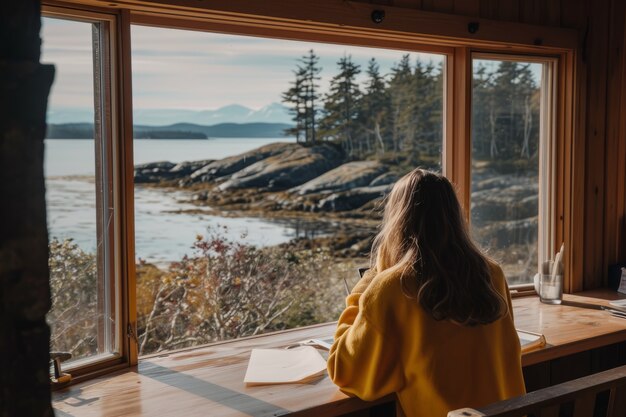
165, 227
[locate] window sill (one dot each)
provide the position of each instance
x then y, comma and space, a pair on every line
210, 378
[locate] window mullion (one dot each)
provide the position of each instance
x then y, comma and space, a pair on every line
458, 120
127, 189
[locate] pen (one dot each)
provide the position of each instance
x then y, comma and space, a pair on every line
614, 312
346, 285
582, 305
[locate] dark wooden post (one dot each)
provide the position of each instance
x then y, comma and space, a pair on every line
24, 282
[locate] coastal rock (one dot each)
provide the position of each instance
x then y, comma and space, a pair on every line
506, 233
344, 177
155, 172
353, 199
294, 166
498, 182
505, 203
232, 164
185, 168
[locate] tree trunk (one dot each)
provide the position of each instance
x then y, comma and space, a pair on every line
528, 121
493, 148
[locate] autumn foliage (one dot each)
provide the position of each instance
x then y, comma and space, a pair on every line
222, 290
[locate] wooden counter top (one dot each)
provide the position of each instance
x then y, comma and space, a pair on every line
569, 329
208, 381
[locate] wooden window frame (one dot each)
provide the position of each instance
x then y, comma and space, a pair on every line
547, 242
112, 289
349, 23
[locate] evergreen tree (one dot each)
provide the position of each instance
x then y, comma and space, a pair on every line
294, 98
482, 108
301, 98
400, 96
427, 113
341, 107
505, 112
310, 71
513, 88
373, 109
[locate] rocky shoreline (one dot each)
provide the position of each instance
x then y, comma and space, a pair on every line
286, 181
318, 182
283, 177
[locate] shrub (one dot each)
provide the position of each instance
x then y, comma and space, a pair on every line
227, 290
223, 290
73, 284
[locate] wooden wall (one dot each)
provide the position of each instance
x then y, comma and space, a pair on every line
558, 13
613, 228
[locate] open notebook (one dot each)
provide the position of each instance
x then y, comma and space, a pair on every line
284, 366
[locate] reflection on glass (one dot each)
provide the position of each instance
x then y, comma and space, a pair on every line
260, 195
505, 163
71, 189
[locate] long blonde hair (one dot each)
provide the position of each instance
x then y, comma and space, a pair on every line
424, 238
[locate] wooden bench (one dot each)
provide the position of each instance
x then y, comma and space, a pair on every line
602, 394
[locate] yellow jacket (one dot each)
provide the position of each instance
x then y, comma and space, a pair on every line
385, 343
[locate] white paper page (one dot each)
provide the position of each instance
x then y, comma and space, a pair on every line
621, 304
617, 308
281, 366
530, 341
526, 339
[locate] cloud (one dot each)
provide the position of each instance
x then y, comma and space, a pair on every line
208, 70
68, 45
196, 70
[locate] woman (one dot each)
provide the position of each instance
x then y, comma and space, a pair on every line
432, 320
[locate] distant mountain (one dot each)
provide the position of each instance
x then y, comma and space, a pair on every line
224, 130
176, 131
234, 113
70, 131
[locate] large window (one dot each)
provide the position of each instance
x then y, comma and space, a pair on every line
510, 163
259, 175
246, 191
79, 190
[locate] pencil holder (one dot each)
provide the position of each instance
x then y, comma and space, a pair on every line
551, 288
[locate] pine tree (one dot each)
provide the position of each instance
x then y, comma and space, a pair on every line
530, 93
427, 112
341, 106
513, 90
400, 102
310, 73
373, 109
294, 98
482, 102
505, 122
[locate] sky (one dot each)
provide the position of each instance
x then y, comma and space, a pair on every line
67, 44
180, 69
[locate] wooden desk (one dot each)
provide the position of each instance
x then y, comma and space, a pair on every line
568, 329
207, 381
